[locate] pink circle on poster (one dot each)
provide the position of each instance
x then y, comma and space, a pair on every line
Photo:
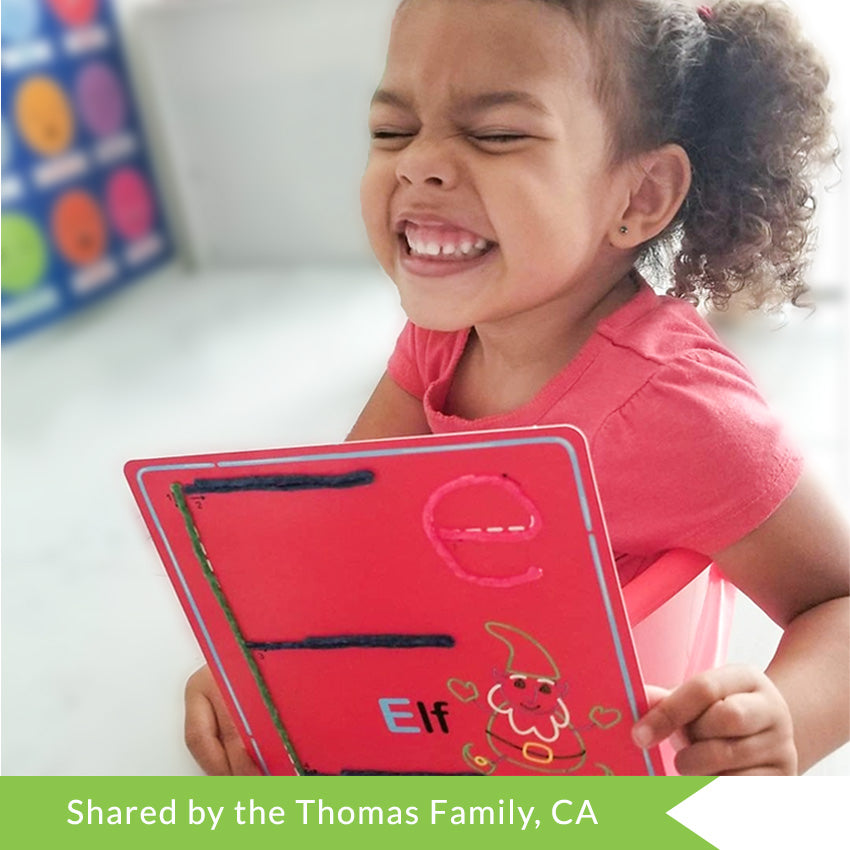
74, 13
101, 99
129, 203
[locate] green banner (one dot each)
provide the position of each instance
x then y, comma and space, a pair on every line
373, 812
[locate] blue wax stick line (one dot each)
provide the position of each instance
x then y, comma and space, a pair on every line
279, 483
385, 641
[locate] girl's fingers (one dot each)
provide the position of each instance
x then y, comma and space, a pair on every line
765, 770
240, 763
201, 735
733, 717
689, 701
763, 754
654, 694
210, 734
736, 722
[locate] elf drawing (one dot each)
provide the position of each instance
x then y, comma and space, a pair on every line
529, 723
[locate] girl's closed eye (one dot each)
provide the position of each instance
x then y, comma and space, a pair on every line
497, 137
390, 133
500, 140
382, 134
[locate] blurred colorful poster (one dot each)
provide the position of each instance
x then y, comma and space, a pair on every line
81, 215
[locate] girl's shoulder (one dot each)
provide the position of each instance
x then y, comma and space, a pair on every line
685, 433
663, 330
675, 369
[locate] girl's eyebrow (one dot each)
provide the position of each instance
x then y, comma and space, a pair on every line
487, 100
390, 98
470, 104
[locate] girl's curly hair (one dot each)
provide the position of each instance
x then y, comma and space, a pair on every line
743, 92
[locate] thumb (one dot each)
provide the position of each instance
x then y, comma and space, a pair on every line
654, 694
641, 733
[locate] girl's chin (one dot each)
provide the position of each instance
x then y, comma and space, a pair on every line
434, 320
446, 304
430, 306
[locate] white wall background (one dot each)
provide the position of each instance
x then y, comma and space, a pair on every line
257, 108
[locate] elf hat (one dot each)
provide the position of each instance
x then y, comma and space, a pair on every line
526, 656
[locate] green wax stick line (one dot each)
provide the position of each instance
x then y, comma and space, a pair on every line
215, 586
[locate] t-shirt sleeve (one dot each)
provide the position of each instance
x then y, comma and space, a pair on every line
403, 366
702, 459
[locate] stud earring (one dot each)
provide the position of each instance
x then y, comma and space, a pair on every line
624, 229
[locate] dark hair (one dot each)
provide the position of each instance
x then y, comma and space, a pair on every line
744, 94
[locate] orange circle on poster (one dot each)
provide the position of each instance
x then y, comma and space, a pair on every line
78, 227
44, 117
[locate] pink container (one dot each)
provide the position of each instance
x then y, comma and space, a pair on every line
680, 610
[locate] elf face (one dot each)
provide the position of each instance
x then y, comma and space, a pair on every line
527, 695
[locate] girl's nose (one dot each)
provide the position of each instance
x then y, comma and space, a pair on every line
426, 162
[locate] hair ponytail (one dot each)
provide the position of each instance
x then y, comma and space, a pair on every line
744, 93
757, 132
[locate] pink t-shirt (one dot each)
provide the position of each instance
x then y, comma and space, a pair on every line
685, 450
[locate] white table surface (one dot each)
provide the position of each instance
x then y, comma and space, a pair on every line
95, 649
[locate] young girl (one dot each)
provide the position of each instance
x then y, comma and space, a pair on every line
526, 155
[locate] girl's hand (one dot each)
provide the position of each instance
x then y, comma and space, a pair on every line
732, 721
211, 736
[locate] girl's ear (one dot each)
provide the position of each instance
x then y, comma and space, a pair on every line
662, 178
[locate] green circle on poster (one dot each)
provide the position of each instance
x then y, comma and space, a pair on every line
24, 253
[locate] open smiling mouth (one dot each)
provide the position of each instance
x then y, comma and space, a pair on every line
442, 244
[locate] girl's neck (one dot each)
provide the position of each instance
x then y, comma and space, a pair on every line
505, 364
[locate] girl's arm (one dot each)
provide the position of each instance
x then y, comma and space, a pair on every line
390, 412
739, 720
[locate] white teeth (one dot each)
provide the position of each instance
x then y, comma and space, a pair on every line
466, 249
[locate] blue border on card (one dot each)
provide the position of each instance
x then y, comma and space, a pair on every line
581, 490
